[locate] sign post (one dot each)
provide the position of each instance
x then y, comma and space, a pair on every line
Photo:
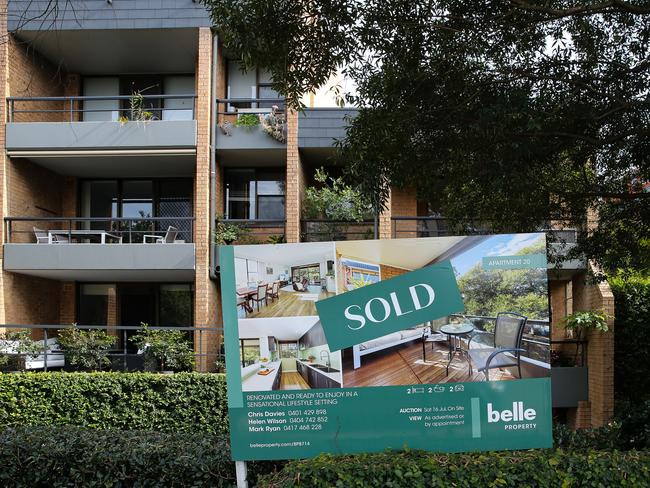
351, 358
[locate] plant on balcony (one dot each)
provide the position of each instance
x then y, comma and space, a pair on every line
85, 349
137, 109
333, 200
169, 349
579, 323
276, 239
15, 346
274, 124
247, 121
228, 232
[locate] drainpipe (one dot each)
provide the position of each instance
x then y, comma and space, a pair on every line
213, 154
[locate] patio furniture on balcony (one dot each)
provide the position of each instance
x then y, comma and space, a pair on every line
168, 238
67, 236
41, 236
431, 336
506, 350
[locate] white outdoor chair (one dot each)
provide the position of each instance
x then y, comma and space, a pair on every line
41, 236
168, 238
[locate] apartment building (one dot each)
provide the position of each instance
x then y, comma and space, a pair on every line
126, 124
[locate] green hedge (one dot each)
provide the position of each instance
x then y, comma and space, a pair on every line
631, 336
72, 456
545, 468
182, 402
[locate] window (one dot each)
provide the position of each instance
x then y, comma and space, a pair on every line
250, 351
139, 199
288, 350
311, 272
255, 195
97, 304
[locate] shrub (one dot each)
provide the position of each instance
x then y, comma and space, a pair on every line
607, 437
16, 347
182, 402
85, 349
168, 349
632, 336
414, 469
73, 456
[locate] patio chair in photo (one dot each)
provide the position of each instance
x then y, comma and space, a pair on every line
506, 342
274, 292
431, 335
168, 238
261, 296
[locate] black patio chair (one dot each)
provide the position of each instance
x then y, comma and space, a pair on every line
506, 350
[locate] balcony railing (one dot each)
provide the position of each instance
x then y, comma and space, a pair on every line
259, 123
257, 231
536, 338
433, 226
123, 355
75, 108
318, 230
98, 230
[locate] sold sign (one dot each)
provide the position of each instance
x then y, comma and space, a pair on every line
375, 310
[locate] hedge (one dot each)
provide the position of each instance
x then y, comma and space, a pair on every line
72, 456
182, 402
631, 336
416, 469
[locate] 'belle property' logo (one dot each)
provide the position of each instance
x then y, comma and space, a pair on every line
519, 418
375, 310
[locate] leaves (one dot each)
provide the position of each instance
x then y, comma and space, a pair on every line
87, 349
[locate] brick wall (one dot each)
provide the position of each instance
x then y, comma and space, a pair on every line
385, 224
295, 179
206, 301
600, 357
404, 204
32, 75
388, 272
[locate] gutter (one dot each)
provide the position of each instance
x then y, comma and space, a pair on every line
213, 157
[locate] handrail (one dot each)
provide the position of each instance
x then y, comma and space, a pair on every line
125, 226
73, 99
251, 100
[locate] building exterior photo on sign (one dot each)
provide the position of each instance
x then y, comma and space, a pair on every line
443, 342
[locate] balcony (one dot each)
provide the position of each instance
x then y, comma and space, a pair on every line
251, 128
101, 249
95, 135
319, 230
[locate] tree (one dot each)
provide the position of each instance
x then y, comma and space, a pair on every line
514, 114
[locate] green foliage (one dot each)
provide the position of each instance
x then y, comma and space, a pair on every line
333, 199
171, 349
582, 322
247, 120
600, 438
488, 292
228, 232
417, 469
513, 114
632, 336
17, 345
277, 239
182, 402
72, 456
85, 349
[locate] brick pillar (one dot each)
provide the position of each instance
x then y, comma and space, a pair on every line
385, 224
295, 180
4, 160
67, 302
205, 298
404, 204
600, 348
580, 417
72, 88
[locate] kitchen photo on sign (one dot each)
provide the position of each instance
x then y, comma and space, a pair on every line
286, 353
502, 334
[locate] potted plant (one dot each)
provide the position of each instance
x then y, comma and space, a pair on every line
311, 358
247, 121
579, 323
170, 350
15, 346
85, 349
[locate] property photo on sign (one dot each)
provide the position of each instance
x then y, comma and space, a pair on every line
443, 341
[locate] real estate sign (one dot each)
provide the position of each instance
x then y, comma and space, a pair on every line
432, 343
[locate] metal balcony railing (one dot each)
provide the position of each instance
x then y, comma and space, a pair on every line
123, 355
75, 108
97, 230
239, 105
321, 230
433, 226
257, 231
